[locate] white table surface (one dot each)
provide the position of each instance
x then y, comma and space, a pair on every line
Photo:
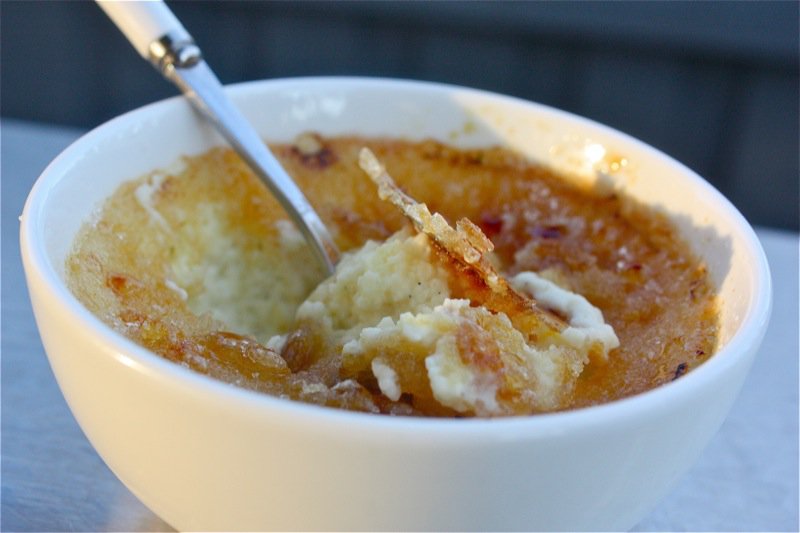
52, 480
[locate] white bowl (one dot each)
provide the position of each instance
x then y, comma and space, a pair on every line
205, 455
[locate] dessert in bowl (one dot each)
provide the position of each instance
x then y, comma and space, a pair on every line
204, 454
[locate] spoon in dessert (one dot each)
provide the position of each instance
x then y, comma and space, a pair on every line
159, 37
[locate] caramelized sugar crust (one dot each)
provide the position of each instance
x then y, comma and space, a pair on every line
465, 252
197, 266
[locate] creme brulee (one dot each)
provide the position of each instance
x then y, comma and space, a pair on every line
558, 296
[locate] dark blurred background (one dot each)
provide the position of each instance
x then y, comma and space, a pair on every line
714, 84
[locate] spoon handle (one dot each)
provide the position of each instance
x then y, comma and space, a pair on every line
160, 38
143, 22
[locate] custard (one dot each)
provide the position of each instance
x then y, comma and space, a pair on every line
200, 264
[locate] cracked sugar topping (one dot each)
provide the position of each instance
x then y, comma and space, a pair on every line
510, 290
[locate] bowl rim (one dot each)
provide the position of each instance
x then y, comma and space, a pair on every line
40, 269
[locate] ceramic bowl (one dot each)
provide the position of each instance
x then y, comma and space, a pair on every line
205, 455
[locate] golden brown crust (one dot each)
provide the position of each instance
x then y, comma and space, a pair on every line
464, 249
626, 260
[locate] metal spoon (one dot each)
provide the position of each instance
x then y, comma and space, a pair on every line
160, 38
